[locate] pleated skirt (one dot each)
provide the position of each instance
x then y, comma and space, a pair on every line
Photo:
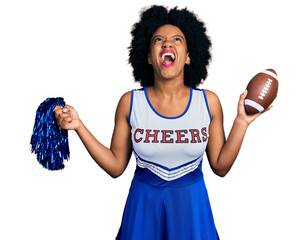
176, 211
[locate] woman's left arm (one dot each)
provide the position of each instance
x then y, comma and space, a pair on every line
221, 152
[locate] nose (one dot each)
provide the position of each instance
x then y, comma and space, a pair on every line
167, 44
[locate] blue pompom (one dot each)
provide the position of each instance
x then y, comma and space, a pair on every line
49, 141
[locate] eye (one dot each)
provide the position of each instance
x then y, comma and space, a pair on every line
177, 39
158, 39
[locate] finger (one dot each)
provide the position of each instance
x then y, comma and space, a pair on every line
242, 97
67, 119
65, 122
57, 108
66, 108
60, 117
241, 100
269, 108
66, 125
57, 113
244, 94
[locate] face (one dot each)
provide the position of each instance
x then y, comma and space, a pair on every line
168, 53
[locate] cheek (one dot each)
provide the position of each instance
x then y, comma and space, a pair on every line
183, 56
153, 56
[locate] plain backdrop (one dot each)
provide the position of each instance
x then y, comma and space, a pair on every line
78, 50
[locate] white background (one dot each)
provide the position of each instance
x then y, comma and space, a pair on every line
78, 50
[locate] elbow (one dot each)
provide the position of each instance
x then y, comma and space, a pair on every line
221, 172
114, 170
115, 174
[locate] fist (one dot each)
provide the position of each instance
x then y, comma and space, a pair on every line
67, 117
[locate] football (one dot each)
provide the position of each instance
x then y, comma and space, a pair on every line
262, 90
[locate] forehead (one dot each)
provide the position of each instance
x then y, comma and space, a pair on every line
168, 29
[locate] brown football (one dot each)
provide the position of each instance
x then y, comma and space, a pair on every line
262, 90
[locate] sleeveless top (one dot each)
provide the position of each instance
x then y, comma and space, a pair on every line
170, 147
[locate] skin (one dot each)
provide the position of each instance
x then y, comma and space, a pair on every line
169, 96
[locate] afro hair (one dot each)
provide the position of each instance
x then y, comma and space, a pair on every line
198, 44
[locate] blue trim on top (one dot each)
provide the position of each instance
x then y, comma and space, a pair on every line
207, 105
166, 168
145, 175
131, 106
188, 105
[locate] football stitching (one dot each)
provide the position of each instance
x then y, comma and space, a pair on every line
265, 88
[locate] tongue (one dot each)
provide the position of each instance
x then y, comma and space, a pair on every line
168, 62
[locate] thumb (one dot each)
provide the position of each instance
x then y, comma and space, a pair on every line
68, 109
244, 94
71, 111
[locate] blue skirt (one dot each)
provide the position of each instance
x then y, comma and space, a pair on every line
161, 210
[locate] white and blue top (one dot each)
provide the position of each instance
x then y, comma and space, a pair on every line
168, 198
170, 147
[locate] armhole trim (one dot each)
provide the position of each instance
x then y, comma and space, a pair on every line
207, 105
131, 106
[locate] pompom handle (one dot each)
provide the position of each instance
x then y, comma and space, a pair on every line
49, 141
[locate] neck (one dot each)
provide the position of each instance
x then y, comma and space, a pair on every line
169, 88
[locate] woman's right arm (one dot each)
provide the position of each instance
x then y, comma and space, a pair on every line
113, 160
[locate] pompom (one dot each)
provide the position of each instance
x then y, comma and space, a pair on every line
49, 141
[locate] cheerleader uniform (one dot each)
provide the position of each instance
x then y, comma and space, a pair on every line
168, 199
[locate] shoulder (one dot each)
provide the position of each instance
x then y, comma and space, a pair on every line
213, 102
123, 108
126, 98
211, 96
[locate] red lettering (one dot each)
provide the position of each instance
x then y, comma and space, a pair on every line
180, 134
151, 136
194, 134
204, 133
135, 133
166, 134
154, 135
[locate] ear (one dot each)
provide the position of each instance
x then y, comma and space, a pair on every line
149, 59
187, 59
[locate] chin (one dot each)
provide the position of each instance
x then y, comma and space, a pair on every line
169, 74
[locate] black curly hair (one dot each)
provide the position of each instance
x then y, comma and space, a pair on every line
198, 44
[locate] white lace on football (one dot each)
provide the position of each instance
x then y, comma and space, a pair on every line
253, 104
270, 73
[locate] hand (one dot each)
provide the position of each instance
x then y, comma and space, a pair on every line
241, 112
67, 117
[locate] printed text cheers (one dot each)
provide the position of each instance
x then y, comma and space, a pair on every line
170, 136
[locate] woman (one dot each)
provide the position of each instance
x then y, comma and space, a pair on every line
168, 124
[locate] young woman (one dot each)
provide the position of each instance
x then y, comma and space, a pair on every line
168, 124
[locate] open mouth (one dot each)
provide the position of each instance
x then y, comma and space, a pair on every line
167, 58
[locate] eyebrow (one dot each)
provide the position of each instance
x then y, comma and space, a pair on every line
156, 36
